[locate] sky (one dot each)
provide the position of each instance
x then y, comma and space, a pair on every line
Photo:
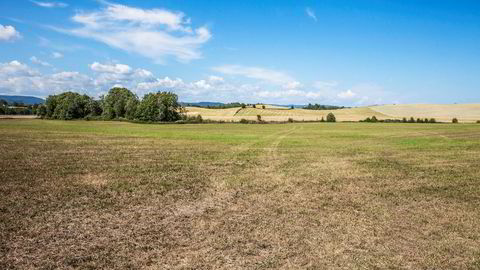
338, 52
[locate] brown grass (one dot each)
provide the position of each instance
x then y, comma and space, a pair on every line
118, 195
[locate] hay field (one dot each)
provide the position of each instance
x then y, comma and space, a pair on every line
283, 114
116, 195
441, 112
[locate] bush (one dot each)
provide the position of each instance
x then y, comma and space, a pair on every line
263, 107
259, 118
411, 120
478, 121
331, 118
374, 119
254, 106
368, 119
322, 120
244, 121
291, 120
432, 120
455, 120
404, 120
243, 106
419, 120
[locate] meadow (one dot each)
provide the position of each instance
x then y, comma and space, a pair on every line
109, 194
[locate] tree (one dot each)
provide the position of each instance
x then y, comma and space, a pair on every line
160, 106
455, 120
119, 103
374, 119
322, 120
411, 120
41, 111
419, 120
243, 106
254, 106
331, 118
292, 107
67, 106
432, 120
259, 118
263, 107
404, 120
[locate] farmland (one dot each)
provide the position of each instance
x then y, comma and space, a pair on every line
444, 113
106, 194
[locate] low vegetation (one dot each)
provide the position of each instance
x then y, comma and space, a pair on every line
321, 107
117, 195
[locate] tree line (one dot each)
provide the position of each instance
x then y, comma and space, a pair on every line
119, 103
17, 108
322, 107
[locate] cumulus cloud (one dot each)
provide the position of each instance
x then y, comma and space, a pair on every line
8, 33
116, 68
346, 94
37, 61
57, 55
311, 13
153, 33
50, 4
272, 76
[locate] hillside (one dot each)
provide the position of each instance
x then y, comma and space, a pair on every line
444, 113
28, 100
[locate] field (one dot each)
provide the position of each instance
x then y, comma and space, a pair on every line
94, 194
443, 113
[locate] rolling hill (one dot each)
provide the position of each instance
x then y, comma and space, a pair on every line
28, 100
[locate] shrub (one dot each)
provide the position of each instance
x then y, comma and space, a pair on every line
419, 120
455, 120
374, 119
368, 119
199, 118
263, 107
331, 118
322, 120
478, 121
411, 120
426, 120
259, 118
290, 120
244, 121
432, 120
404, 120
243, 106
254, 106
292, 107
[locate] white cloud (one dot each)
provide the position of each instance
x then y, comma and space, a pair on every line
153, 33
50, 4
15, 68
215, 79
311, 13
37, 61
293, 85
8, 33
268, 75
117, 68
57, 55
346, 94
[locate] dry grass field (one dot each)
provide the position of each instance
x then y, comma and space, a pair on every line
444, 113
93, 194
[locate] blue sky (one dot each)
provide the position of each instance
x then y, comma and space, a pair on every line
342, 52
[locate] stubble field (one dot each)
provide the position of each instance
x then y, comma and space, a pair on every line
96, 194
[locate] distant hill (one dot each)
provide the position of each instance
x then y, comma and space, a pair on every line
28, 100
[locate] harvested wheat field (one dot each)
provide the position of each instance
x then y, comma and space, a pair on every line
442, 113
98, 194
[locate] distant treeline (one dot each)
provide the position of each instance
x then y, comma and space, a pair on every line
119, 103
322, 107
216, 106
17, 108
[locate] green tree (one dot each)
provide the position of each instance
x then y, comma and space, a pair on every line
67, 106
119, 103
331, 117
160, 106
455, 120
374, 119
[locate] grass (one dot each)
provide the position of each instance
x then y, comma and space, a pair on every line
92, 194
